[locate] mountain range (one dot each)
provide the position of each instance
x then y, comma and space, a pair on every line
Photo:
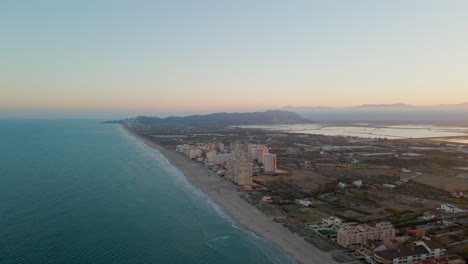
271, 117
383, 112
398, 112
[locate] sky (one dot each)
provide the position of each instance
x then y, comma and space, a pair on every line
115, 57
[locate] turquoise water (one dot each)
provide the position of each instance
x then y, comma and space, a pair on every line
84, 192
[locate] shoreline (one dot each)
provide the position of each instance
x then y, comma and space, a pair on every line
225, 194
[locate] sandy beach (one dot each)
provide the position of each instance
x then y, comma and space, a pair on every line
249, 217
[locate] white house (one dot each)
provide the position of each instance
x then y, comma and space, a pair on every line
303, 202
451, 209
406, 255
331, 220
358, 183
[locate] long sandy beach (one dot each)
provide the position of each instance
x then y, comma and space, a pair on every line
249, 217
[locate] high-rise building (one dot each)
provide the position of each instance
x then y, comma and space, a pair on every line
251, 150
236, 146
221, 147
240, 172
240, 155
269, 162
195, 153
258, 152
218, 158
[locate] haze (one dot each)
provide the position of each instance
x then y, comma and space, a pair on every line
117, 58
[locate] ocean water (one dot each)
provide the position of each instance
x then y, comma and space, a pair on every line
84, 192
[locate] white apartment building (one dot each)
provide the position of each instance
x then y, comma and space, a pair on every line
269, 162
218, 159
259, 154
195, 153
359, 234
240, 172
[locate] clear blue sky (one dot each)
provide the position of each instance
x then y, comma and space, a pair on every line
112, 56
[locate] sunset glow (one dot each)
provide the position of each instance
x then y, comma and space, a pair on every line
147, 56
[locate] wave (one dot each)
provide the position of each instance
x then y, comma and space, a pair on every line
191, 190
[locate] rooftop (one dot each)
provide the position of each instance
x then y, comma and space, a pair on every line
402, 252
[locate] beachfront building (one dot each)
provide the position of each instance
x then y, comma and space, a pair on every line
240, 172
195, 153
269, 162
210, 146
419, 251
359, 234
218, 158
184, 149
237, 163
190, 151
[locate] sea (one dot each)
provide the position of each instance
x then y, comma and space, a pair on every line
77, 191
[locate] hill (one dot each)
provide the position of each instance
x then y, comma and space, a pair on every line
272, 117
386, 112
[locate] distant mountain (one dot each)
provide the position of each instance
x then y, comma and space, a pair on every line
397, 105
462, 105
384, 112
220, 119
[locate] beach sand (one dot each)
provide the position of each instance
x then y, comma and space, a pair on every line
249, 217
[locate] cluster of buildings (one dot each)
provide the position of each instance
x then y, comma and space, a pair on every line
260, 155
237, 162
391, 251
379, 245
197, 150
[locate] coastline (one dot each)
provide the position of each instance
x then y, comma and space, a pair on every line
225, 194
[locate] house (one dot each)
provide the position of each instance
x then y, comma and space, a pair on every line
390, 243
331, 220
442, 260
451, 209
267, 199
420, 250
342, 185
358, 183
418, 232
303, 202
430, 215
457, 194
